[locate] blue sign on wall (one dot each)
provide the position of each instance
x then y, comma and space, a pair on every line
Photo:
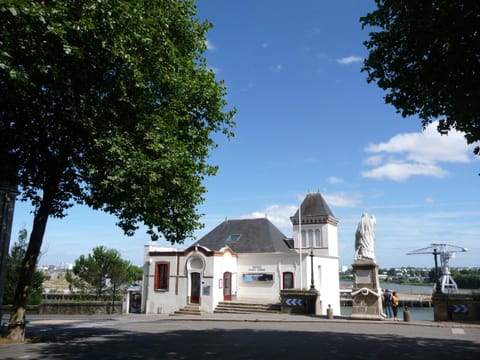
463, 309
294, 302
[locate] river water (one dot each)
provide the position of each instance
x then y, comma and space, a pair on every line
416, 313
405, 288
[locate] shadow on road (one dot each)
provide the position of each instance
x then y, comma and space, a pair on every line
108, 343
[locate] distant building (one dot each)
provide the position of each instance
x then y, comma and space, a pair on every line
247, 259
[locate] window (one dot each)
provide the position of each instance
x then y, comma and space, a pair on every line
233, 237
257, 278
304, 239
288, 280
310, 238
162, 275
318, 238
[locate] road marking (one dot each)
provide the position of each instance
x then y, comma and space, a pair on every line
458, 331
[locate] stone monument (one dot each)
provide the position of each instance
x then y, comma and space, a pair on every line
366, 291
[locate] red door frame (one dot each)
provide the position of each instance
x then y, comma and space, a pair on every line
195, 288
288, 273
227, 286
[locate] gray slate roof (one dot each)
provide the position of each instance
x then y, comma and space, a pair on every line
256, 236
314, 205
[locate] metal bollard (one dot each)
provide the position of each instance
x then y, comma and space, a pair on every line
406, 314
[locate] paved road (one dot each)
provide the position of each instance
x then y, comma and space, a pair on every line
234, 337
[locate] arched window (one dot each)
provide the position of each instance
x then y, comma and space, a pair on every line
310, 238
318, 238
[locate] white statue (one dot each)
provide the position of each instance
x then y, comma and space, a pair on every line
365, 238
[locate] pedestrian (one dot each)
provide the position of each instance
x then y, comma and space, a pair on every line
395, 305
387, 303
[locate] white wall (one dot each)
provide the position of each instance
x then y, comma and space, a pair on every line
211, 276
273, 263
162, 302
329, 284
218, 265
215, 265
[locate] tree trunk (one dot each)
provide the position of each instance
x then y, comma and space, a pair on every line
17, 316
113, 298
8, 193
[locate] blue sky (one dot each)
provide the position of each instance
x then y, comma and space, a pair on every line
308, 121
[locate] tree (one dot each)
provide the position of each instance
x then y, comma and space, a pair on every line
14, 262
425, 55
122, 275
105, 271
75, 283
109, 104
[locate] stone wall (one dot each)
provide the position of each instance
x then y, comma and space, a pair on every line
73, 308
296, 301
455, 307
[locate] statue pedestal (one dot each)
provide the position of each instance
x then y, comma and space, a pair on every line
366, 292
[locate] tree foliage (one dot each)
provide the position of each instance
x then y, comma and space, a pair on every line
467, 278
104, 271
110, 104
425, 54
14, 262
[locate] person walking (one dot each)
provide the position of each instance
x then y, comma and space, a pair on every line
387, 303
395, 305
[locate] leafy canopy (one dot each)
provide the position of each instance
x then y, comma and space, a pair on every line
110, 104
104, 270
425, 54
107, 103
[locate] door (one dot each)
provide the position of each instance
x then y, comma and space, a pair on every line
227, 286
288, 280
195, 288
135, 303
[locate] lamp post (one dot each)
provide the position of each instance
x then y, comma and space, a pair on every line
312, 284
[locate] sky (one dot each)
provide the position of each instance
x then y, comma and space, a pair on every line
307, 121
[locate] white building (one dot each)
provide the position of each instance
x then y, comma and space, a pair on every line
247, 259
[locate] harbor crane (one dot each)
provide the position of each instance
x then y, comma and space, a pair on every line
445, 282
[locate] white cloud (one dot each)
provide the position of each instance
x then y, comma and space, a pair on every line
349, 60
427, 147
413, 154
374, 160
342, 200
210, 46
279, 215
402, 171
334, 180
216, 70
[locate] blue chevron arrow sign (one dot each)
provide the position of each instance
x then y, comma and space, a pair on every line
294, 302
460, 309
